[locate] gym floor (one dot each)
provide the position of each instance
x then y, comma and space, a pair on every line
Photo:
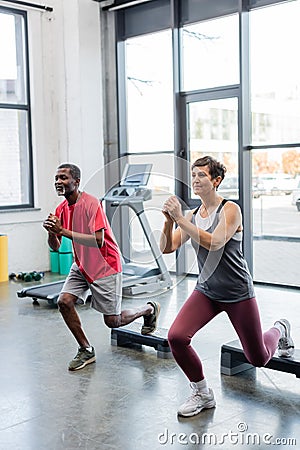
129, 398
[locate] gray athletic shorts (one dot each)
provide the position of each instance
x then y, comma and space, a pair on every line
106, 292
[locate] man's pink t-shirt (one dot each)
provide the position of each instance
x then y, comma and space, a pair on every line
86, 217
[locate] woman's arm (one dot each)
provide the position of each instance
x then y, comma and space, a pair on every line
171, 239
230, 222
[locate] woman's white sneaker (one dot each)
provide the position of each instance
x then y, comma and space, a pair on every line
286, 347
197, 402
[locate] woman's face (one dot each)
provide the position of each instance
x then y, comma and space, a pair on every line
202, 182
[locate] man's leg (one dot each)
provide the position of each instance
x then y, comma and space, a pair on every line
150, 312
66, 306
86, 353
76, 287
107, 299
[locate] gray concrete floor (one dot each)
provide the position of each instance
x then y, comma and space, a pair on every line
129, 398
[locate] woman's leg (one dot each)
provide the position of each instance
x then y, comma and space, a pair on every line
197, 311
259, 347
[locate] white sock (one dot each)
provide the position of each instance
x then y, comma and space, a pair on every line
89, 349
202, 386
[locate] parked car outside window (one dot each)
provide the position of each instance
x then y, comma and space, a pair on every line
229, 187
277, 183
257, 187
296, 195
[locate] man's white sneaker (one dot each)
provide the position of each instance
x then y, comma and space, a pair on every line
196, 402
286, 347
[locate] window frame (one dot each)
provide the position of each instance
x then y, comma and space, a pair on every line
25, 106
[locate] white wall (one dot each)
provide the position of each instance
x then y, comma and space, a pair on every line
66, 100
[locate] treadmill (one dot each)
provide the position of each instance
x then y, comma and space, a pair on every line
132, 193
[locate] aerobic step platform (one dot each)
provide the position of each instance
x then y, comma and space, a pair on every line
131, 337
233, 361
49, 292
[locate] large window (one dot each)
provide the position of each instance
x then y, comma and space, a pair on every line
213, 130
15, 148
210, 79
275, 105
220, 78
211, 53
275, 74
161, 183
150, 93
150, 130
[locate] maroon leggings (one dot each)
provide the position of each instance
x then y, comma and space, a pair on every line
198, 310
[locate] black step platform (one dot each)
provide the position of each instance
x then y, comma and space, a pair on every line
130, 336
48, 291
234, 361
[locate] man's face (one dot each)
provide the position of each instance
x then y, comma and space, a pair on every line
65, 184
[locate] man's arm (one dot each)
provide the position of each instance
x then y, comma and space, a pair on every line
54, 227
53, 240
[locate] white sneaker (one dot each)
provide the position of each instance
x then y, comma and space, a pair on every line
286, 347
196, 402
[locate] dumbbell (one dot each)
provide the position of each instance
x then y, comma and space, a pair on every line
27, 276
37, 276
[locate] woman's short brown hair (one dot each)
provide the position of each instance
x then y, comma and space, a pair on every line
216, 169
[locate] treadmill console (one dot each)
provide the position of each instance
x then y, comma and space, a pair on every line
132, 187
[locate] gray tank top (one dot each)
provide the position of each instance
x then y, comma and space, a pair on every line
223, 274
